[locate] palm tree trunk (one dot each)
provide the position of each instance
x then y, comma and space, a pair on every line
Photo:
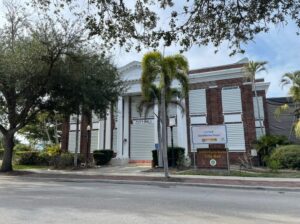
164, 134
159, 153
258, 108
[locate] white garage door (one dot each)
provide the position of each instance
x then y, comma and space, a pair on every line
94, 140
236, 137
72, 141
142, 139
115, 140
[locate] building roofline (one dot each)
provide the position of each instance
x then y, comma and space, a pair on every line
217, 68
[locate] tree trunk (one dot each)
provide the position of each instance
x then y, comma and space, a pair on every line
8, 143
164, 134
258, 109
65, 134
159, 153
76, 140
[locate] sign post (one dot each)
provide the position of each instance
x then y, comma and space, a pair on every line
172, 123
228, 160
194, 150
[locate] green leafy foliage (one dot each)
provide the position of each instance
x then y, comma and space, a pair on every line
28, 158
267, 143
165, 69
286, 157
102, 157
178, 156
43, 128
292, 80
22, 147
48, 66
53, 150
186, 23
273, 164
63, 161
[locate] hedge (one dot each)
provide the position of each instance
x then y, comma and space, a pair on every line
28, 158
22, 147
178, 156
102, 157
286, 157
61, 161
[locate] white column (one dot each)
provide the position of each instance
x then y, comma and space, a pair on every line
120, 128
101, 135
108, 130
181, 128
126, 128
155, 124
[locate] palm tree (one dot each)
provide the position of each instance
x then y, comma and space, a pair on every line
252, 68
292, 80
158, 73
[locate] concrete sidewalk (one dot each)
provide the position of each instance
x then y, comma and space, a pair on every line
137, 175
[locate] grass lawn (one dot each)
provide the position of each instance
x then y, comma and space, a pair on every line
243, 173
28, 167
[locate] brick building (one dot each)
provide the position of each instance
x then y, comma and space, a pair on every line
218, 95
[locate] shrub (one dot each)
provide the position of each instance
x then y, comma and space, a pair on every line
44, 159
178, 156
154, 157
53, 150
274, 165
22, 147
28, 158
64, 160
267, 143
102, 157
286, 156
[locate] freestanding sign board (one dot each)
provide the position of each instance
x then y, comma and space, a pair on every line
209, 134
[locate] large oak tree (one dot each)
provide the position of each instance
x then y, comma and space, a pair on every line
185, 22
37, 68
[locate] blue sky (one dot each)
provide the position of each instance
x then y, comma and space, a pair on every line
279, 47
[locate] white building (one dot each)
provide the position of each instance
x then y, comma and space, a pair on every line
218, 95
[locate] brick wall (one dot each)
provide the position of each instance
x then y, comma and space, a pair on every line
215, 113
248, 115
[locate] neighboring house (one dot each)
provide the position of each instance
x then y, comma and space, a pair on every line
218, 95
282, 125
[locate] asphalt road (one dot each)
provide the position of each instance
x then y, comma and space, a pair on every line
36, 201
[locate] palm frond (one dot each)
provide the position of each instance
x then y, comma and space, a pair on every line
297, 129
177, 103
279, 110
252, 68
145, 106
291, 78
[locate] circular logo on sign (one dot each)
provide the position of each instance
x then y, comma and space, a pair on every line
213, 162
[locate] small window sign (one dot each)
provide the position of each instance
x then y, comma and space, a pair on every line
172, 122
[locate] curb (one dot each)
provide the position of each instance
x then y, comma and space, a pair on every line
165, 183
